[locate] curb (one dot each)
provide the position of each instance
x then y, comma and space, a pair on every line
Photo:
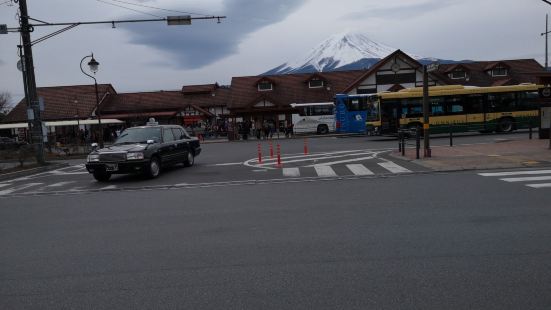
30, 171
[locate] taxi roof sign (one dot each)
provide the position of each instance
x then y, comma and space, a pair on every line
152, 122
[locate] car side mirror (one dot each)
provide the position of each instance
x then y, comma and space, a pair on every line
150, 141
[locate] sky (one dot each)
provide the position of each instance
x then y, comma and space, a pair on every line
256, 36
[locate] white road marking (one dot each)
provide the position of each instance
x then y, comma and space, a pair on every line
60, 184
359, 169
5, 184
291, 172
109, 187
524, 179
342, 161
325, 171
18, 188
541, 185
393, 167
506, 173
229, 164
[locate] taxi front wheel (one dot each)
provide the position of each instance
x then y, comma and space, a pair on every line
154, 168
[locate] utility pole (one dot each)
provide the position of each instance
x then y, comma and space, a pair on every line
426, 111
546, 33
33, 112
34, 106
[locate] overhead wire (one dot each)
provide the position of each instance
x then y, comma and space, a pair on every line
138, 11
157, 8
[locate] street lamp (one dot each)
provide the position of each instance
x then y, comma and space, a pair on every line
93, 64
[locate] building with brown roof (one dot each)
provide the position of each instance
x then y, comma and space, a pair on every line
492, 73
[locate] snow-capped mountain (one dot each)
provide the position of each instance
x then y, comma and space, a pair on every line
347, 51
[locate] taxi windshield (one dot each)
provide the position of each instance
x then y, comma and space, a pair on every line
139, 135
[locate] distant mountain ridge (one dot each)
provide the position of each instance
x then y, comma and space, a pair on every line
341, 52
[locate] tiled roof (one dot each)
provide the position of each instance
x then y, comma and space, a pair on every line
146, 101
520, 71
63, 102
195, 89
289, 88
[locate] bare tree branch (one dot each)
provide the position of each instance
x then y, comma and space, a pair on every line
5, 102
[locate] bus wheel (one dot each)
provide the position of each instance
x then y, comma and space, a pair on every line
505, 125
323, 129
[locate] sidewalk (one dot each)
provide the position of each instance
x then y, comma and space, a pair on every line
501, 154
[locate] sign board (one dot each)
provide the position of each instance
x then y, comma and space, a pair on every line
30, 114
3, 29
178, 20
41, 103
432, 67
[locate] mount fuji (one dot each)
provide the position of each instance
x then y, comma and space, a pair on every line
340, 52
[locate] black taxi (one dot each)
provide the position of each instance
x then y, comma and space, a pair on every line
144, 149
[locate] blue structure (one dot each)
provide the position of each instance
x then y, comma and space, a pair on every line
350, 113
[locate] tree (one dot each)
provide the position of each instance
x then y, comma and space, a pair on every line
5, 104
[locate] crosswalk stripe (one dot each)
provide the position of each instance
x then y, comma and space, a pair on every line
507, 173
5, 184
359, 169
541, 185
291, 172
18, 188
525, 179
393, 167
325, 171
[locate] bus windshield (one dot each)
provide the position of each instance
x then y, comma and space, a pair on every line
372, 109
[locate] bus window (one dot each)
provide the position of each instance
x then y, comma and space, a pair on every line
357, 104
473, 104
454, 105
527, 101
501, 102
437, 106
412, 107
322, 110
373, 110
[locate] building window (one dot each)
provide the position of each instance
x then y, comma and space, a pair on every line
264, 86
315, 84
458, 74
499, 71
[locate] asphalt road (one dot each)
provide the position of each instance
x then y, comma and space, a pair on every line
404, 241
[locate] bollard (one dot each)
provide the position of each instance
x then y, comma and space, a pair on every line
451, 136
404, 145
305, 146
417, 144
278, 156
530, 130
259, 153
271, 150
400, 141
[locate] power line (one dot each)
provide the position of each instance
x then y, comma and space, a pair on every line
157, 8
120, 6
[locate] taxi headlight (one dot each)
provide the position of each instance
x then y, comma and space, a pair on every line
134, 156
94, 157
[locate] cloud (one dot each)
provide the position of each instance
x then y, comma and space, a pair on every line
402, 11
205, 41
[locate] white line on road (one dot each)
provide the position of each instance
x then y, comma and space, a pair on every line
109, 187
541, 185
359, 169
393, 167
228, 164
18, 188
5, 184
544, 178
343, 161
60, 184
325, 171
291, 172
506, 173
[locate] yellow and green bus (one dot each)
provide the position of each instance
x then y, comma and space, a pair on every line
458, 108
